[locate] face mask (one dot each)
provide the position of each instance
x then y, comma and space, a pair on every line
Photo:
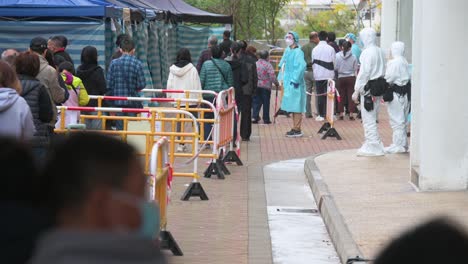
149, 214
289, 41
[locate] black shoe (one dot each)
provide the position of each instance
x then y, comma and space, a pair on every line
309, 116
254, 121
267, 122
294, 133
281, 112
245, 139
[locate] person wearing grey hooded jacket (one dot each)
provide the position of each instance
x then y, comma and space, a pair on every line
16, 119
346, 66
15, 116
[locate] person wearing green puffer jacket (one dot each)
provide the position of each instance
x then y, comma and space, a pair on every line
215, 75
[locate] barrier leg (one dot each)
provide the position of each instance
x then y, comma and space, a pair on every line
220, 161
325, 127
232, 156
194, 189
168, 242
214, 169
331, 132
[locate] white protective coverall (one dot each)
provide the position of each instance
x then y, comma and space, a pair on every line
372, 67
398, 73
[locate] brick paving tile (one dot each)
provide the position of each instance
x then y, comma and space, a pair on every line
216, 231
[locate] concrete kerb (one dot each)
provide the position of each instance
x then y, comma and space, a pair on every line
346, 247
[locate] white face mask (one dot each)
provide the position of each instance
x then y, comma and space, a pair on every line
289, 42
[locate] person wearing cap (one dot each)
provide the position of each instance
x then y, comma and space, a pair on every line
355, 49
294, 97
323, 61
48, 76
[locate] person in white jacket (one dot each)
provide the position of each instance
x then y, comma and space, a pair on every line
183, 76
398, 77
369, 80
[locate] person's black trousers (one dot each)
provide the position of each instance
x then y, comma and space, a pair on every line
321, 88
245, 110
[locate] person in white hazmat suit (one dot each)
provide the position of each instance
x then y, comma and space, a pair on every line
398, 77
370, 86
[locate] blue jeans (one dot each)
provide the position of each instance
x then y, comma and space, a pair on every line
119, 123
93, 124
262, 98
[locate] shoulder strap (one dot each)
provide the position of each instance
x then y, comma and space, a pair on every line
217, 67
326, 65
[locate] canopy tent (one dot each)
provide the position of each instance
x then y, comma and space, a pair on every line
179, 11
58, 8
98, 22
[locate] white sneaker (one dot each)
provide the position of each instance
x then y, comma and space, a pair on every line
181, 148
319, 118
207, 146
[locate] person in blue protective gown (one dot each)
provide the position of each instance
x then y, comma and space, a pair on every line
294, 97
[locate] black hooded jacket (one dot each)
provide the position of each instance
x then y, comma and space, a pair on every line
40, 103
93, 79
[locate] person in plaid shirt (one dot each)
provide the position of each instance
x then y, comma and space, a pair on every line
126, 78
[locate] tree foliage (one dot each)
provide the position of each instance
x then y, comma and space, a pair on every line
340, 19
253, 19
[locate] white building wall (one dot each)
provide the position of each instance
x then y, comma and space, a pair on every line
389, 24
440, 144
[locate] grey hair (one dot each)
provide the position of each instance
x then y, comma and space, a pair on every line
263, 54
213, 40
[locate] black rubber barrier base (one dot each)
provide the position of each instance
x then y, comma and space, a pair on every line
194, 189
168, 242
331, 132
215, 168
324, 127
231, 156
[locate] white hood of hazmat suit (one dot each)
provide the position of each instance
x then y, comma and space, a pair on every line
398, 69
372, 60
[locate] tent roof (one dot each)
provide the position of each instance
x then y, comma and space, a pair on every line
182, 11
57, 8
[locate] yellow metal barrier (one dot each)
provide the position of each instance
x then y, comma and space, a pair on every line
150, 135
160, 182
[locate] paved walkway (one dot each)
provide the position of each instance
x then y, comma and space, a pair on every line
375, 200
232, 227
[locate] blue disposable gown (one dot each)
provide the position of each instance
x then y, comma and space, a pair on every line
294, 99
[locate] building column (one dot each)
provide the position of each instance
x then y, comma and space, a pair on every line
389, 24
439, 153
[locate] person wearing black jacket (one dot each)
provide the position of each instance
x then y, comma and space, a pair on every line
244, 71
225, 46
93, 79
58, 44
38, 99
